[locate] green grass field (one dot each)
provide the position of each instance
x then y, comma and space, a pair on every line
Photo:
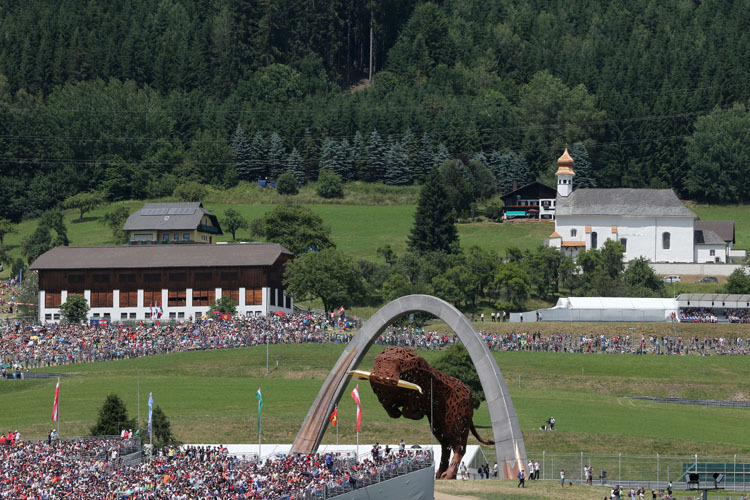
209, 396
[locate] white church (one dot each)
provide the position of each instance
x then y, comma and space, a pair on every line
650, 223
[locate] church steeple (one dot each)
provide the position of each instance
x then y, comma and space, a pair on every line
565, 174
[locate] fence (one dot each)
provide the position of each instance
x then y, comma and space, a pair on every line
649, 471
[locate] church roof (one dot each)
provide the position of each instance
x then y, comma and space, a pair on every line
623, 201
723, 228
707, 237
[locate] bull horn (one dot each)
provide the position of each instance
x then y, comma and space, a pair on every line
361, 374
365, 375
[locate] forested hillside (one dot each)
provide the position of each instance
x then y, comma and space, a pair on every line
133, 97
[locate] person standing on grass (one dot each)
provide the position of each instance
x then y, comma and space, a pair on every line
536, 470
562, 478
521, 479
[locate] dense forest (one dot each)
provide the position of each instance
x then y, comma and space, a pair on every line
131, 97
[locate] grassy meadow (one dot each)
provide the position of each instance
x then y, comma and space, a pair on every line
209, 396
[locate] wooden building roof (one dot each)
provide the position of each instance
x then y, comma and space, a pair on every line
158, 256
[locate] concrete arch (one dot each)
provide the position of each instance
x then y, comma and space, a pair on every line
509, 445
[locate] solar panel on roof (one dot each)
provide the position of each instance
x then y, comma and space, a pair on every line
155, 211
181, 211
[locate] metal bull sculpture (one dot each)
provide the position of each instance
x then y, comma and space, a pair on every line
406, 385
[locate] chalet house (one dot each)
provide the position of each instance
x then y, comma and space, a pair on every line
172, 223
532, 201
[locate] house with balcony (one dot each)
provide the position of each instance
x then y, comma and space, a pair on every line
186, 222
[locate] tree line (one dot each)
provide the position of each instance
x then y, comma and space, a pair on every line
134, 97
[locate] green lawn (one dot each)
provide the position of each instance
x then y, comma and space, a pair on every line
209, 397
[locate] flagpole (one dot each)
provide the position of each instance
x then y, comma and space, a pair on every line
138, 395
58, 410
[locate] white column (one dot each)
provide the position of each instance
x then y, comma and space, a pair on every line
115, 314
164, 303
42, 308
241, 306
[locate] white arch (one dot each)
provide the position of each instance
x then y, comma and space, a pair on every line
509, 446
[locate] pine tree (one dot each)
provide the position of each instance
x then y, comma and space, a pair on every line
582, 166
480, 157
113, 417
376, 165
411, 148
275, 157
441, 155
295, 166
500, 164
345, 160
426, 157
329, 156
359, 152
241, 152
398, 173
434, 229
258, 163
308, 150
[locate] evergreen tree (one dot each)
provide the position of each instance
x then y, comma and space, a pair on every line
258, 158
426, 158
295, 166
411, 147
582, 166
441, 155
398, 173
330, 155
275, 156
434, 229
308, 150
376, 163
113, 418
161, 428
359, 153
345, 160
509, 167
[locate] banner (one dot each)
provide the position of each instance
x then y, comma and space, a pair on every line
355, 395
334, 418
260, 405
56, 406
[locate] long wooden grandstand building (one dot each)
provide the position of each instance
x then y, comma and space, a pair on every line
179, 281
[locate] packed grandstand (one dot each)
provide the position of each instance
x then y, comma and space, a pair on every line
92, 469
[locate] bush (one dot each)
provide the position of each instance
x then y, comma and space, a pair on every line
190, 191
287, 184
330, 185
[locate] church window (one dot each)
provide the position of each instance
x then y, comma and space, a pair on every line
593, 240
712, 252
624, 243
665, 240
573, 233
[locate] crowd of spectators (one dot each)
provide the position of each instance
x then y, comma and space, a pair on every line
55, 344
737, 315
572, 343
83, 469
698, 315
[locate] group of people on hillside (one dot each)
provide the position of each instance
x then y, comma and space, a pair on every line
83, 469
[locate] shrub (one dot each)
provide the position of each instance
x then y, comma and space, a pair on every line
330, 185
287, 184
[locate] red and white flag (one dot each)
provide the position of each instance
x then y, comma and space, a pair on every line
355, 395
56, 406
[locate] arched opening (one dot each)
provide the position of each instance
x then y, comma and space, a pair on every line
505, 428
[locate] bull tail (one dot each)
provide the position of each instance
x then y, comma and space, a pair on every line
479, 438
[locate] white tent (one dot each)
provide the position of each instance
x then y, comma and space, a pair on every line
616, 303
